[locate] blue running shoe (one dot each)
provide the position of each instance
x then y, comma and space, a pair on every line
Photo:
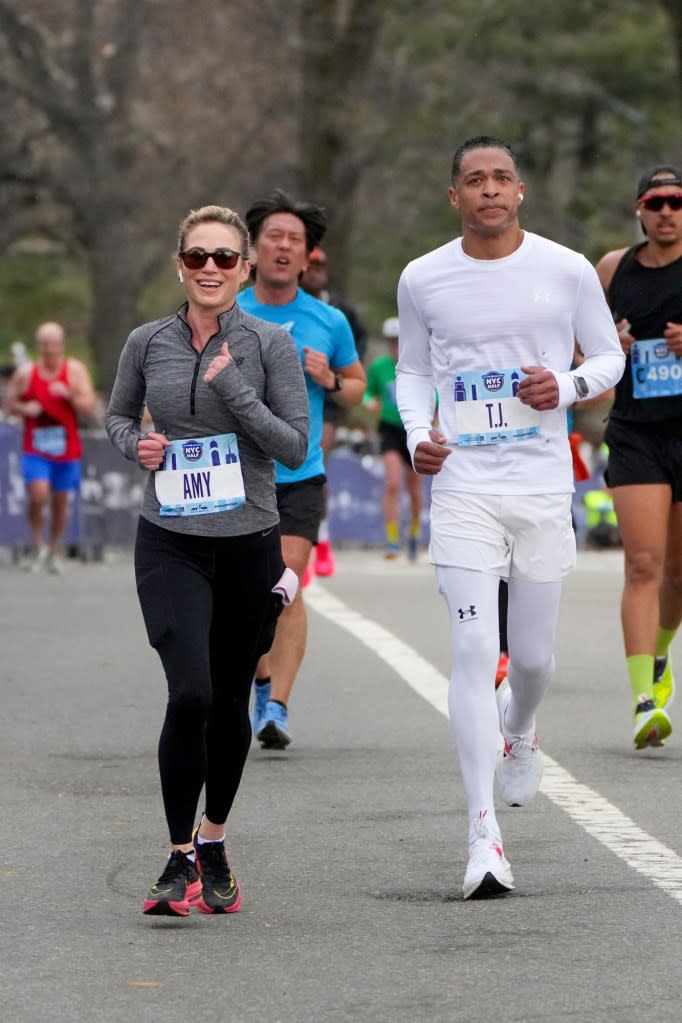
412, 548
392, 551
274, 733
261, 695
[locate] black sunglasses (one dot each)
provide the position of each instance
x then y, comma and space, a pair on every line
196, 259
655, 203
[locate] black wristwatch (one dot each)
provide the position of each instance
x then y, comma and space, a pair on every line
581, 388
338, 383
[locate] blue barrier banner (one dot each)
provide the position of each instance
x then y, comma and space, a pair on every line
356, 491
105, 512
13, 527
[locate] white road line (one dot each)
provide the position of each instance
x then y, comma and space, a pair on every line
596, 815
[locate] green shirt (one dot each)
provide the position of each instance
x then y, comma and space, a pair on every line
381, 384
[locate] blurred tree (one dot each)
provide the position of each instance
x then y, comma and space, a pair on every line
123, 113
338, 41
674, 10
586, 92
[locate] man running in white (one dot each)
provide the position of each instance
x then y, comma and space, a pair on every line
489, 320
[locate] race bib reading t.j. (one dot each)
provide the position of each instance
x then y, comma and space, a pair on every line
656, 372
487, 410
200, 476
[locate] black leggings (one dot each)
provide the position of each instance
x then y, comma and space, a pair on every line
210, 614
502, 605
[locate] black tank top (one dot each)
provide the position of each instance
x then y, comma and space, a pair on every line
648, 297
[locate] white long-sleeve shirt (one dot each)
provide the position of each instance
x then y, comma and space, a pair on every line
462, 316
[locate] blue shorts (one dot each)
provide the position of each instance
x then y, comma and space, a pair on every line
60, 475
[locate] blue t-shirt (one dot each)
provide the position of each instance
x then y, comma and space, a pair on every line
312, 324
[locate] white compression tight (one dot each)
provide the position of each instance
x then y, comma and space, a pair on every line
532, 620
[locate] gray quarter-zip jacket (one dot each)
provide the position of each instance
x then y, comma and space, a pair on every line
260, 396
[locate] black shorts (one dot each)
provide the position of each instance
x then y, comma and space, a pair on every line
644, 453
301, 507
394, 438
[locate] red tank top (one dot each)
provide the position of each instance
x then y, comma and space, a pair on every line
54, 433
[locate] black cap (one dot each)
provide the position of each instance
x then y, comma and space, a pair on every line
673, 176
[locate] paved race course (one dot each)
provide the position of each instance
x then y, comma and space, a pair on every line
350, 847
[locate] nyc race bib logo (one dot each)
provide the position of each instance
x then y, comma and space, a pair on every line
493, 382
192, 450
200, 477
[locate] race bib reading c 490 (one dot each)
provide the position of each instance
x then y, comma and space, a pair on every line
200, 476
656, 372
487, 410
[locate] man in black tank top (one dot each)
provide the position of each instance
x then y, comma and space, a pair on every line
643, 285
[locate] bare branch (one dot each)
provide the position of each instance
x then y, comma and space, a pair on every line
37, 79
123, 65
81, 55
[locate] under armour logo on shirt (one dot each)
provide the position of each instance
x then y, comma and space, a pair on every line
467, 613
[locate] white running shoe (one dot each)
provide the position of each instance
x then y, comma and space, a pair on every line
488, 873
34, 560
652, 724
520, 764
55, 565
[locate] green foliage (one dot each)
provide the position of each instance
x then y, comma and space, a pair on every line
586, 91
162, 296
36, 286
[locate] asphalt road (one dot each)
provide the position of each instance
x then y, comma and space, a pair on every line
350, 847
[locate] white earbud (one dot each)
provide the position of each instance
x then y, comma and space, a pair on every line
637, 213
520, 196
180, 277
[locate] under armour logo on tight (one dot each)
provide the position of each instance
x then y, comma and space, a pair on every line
467, 613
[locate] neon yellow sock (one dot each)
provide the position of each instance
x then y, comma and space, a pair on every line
392, 532
641, 671
663, 641
415, 527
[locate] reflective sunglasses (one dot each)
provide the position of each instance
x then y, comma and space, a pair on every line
655, 203
196, 259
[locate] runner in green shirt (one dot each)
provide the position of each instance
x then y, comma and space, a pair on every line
380, 397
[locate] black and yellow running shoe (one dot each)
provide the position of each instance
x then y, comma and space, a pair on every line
219, 890
178, 886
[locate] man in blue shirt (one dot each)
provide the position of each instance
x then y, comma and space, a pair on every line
284, 232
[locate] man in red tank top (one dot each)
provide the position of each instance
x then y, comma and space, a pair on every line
49, 395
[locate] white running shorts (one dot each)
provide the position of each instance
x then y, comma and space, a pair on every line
522, 537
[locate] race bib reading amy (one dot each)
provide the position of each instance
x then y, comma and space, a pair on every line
200, 477
487, 410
